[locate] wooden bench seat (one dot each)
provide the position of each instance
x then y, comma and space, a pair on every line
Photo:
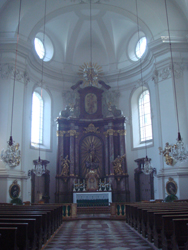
180, 234
146, 218
8, 238
45, 225
167, 229
22, 234
31, 229
43, 220
39, 226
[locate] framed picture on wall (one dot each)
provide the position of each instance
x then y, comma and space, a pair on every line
14, 190
171, 186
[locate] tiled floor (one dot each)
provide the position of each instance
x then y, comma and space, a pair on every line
96, 234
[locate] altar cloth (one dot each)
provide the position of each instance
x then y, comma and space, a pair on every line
92, 196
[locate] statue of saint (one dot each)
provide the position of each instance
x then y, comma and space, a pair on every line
117, 163
65, 166
92, 162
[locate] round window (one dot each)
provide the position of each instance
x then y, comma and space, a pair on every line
39, 48
137, 46
141, 47
43, 47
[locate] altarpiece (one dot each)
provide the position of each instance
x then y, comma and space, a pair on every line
91, 144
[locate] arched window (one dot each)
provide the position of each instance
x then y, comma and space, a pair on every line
37, 119
41, 119
145, 116
141, 118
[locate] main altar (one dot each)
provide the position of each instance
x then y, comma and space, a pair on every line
91, 146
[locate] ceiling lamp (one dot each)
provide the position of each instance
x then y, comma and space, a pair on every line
90, 72
12, 156
40, 165
176, 152
146, 167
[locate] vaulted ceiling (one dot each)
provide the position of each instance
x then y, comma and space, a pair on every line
67, 25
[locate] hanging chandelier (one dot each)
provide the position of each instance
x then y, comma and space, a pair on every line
146, 168
174, 153
91, 72
40, 165
12, 155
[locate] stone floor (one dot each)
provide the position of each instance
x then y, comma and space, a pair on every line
96, 234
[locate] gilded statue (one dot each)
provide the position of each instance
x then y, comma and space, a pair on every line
117, 163
65, 166
92, 159
92, 152
166, 153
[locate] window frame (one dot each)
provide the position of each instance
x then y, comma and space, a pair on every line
139, 115
135, 123
46, 144
41, 124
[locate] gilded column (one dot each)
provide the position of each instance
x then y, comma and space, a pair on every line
60, 151
122, 134
111, 149
72, 151
76, 155
106, 154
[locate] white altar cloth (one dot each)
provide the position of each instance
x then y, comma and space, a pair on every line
92, 196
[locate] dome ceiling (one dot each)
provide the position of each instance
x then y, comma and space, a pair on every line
114, 23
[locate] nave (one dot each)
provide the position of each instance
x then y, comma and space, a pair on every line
96, 234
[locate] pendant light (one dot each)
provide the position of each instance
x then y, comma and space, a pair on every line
40, 165
146, 167
175, 153
12, 155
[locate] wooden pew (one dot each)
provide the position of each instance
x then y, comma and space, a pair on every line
39, 226
31, 229
158, 224
51, 218
167, 229
180, 234
46, 233
22, 234
54, 214
151, 214
140, 215
8, 238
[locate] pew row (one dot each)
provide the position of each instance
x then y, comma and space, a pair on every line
156, 222
42, 222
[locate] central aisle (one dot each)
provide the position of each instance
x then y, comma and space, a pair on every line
96, 234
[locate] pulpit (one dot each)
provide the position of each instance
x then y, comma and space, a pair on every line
91, 134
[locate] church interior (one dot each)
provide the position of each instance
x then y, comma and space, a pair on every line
93, 103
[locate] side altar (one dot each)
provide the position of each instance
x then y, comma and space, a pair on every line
91, 145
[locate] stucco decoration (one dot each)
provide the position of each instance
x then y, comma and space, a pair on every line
7, 71
110, 103
72, 103
166, 72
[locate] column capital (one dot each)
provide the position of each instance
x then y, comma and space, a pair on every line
110, 131
122, 132
60, 133
72, 132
